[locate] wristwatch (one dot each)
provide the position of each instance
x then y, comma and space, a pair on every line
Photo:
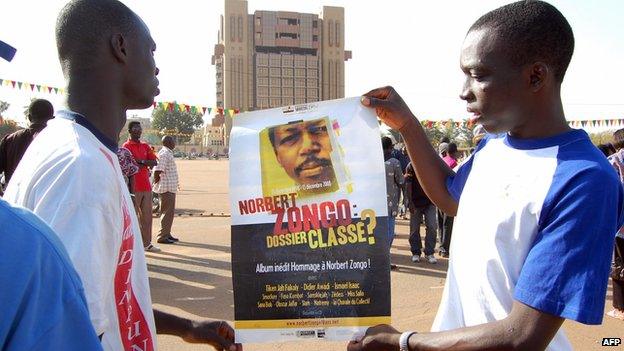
403, 340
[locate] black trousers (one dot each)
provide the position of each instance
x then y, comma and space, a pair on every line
618, 285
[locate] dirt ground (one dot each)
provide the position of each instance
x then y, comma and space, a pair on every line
193, 277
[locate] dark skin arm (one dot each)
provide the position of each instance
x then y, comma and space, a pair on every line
431, 170
217, 334
148, 163
157, 176
131, 184
524, 329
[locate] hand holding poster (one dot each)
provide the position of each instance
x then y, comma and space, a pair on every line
309, 223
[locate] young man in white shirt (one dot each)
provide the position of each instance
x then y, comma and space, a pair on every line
70, 176
528, 252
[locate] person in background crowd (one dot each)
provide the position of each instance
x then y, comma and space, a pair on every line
401, 155
442, 151
451, 159
607, 149
394, 182
420, 207
166, 186
128, 166
70, 176
13, 146
528, 250
145, 158
617, 160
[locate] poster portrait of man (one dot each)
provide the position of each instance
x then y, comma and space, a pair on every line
305, 153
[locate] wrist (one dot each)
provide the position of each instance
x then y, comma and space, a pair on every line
410, 123
188, 329
404, 340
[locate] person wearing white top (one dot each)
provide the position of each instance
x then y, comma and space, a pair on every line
71, 179
166, 184
528, 252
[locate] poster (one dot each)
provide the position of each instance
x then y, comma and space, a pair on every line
310, 257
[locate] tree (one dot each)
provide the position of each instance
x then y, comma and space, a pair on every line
3, 106
182, 124
8, 126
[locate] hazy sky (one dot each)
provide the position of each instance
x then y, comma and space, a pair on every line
412, 45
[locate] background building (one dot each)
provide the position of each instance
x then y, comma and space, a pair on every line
275, 58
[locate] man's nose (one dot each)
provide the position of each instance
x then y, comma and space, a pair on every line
466, 93
309, 144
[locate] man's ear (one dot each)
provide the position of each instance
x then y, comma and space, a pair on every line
118, 45
538, 76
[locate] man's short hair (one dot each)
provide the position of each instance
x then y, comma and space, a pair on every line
386, 143
84, 26
532, 31
132, 124
40, 111
618, 135
452, 148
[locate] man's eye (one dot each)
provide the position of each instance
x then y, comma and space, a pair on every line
478, 77
318, 130
290, 139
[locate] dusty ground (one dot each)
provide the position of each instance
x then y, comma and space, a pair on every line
193, 277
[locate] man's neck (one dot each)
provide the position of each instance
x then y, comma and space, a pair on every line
547, 119
99, 102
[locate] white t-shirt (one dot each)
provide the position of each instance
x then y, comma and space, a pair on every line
527, 229
70, 179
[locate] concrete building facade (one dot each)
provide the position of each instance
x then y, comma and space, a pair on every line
276, 58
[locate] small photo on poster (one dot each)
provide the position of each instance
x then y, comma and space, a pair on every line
301, 157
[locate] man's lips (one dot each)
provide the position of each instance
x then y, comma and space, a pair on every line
311, 166
475, 114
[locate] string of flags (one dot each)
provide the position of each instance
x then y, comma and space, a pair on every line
230, 112
171, 106
585, 123
30, 86
174, 106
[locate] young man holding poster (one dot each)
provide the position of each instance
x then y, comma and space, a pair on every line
526, 201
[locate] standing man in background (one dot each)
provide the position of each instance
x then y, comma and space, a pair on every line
166, 185
145, 157
394, 183
13, 146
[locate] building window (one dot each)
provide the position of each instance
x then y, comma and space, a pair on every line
315, 38
240, 29
232, 28
315, 24
288, 35
330, 30
338, 33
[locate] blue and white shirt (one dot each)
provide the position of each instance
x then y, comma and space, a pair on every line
535, 223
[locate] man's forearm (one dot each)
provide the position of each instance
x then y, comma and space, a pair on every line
526, 328
430, 169
148, 163
173, 325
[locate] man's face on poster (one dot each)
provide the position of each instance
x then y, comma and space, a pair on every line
303, 149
